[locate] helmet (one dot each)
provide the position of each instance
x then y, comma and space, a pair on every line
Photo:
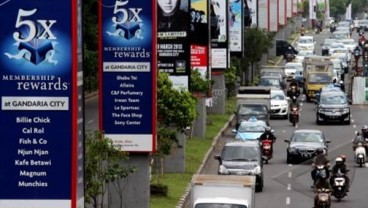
338, 159
293, 99
320, 151
343, 157
364, 129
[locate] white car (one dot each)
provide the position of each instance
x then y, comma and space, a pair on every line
350, 44
342, 50
303, 53
279, 104
290, 68
305, 43
342, 57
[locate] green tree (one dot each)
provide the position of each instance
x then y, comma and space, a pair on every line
337, 8
103, 165
198, 83
230, 77
256, 43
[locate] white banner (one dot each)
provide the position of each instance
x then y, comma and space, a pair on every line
312, 12
282, 12
295, 7
218, 58
263, 14
273, 12
348, 13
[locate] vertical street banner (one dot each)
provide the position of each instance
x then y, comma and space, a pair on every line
41, 112
252, 6
312, 11
128, 73
289, 8
199, 36
173, 48
263, 20
273, 11
236, 27
282, 12
219, 34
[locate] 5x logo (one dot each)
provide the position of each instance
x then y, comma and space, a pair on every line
127, 23
33, 38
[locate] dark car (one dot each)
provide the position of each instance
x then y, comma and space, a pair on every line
326, 46
363, 26
282, 46
333, 106
242, 158
304, 143
246, 111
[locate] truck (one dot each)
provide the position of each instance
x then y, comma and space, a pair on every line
229, 191
318, 72
253, 101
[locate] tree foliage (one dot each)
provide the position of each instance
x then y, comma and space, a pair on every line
198, 83
256, 43
103, 165
337, 8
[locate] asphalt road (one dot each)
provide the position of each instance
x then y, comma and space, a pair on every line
289, 185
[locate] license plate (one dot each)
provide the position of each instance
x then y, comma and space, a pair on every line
306, 155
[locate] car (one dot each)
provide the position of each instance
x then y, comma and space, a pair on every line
242, 158
279, 104
326, 46
340, 35
343, 58
333, 106
305, 42
290, 69
247, 110
335, 45
270, 81
278, 74
349, 44
250, 129
337, 68
329, 88
304, 143
363, 26
302, 54
343, 51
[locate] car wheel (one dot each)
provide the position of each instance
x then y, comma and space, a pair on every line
259, 188
318, 122
289, 160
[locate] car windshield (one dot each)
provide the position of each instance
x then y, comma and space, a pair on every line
320, 78
329, 41
252, 109
307, 137
303, 41
219, 205
251, 128
332, 99
240, 153
272, 74
292, 66
340, 50
269, 82
277, 96
348, 42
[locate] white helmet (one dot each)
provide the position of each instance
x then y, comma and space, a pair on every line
338, 159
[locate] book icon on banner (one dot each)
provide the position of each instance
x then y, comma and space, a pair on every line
35, 54
128, 31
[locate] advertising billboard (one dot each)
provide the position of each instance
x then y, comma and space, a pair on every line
219, 34
128, 73
236, 27
263, 15
199, 36
173, 43
41, 112
252, 6
282, 12
273, 11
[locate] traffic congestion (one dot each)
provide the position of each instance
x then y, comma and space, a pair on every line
297, 131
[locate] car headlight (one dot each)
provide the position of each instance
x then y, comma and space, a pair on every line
257, 170
223, 171
321, 110
292, 150
345, 110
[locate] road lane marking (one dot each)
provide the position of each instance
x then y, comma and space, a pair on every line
366, 165
290, 165
91, 121
290, 174
287, 200
289, 187
352, 120
301, 104
354, 126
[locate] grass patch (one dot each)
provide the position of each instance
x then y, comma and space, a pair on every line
196, 149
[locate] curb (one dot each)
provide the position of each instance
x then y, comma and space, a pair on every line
90, 95
184, 200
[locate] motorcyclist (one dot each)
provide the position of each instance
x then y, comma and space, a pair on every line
321, 184
302, 30
293, 89
267, 135
320, 158
359, 138
294, 103
290, 51
341, 168
365, 131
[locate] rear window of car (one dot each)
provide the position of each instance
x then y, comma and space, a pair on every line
252, 109
239, 153
307, 137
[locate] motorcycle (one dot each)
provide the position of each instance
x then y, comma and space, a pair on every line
339, 186
361, 40
293, 91
267, 149
360, 154
323, 198
294, 116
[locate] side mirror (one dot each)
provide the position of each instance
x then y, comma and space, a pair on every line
217, 157
234, 131
287, 141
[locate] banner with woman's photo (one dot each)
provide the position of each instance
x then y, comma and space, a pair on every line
173, 46
236, 27
199, 36
219, 34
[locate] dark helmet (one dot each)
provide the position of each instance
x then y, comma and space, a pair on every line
364, 129
320, 151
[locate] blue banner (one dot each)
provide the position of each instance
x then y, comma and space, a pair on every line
127, 105
36, 114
